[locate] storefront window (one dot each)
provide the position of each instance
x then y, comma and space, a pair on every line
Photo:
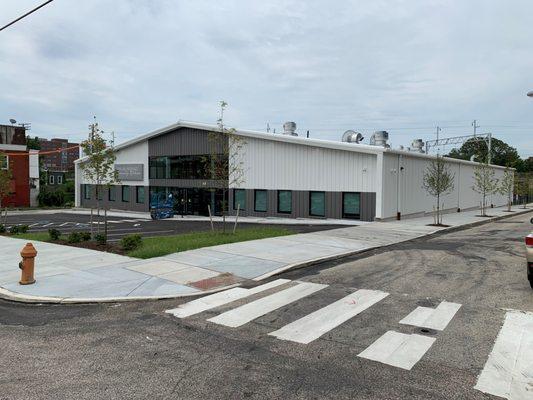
317, 204
351, 205
112, 193
260, 200
284, 201
239, 199
140, 194
125, 194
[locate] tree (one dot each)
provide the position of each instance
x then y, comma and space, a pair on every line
484, 183
98, 166
438, 181
523, 183
501, 153
224, 163
5, 181
33, 143
506, 186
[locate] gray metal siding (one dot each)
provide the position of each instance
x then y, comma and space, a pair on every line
118, 204
181, 142
187, 183
300, 205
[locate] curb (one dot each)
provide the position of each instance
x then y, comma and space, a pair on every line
21, 298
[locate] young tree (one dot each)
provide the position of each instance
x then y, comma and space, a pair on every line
99, 164
5, 182
224, 163
522, 187
438, 181
506, 186
485, 184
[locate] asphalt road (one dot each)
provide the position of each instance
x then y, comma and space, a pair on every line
136, 351
119, 226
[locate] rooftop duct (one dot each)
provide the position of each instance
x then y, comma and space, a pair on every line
352, 137
418, 146
379, 138
289, 128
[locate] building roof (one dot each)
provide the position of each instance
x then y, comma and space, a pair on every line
328, 144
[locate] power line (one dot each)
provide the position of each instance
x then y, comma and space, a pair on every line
25, 15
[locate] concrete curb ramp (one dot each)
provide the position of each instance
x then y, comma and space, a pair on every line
256, 260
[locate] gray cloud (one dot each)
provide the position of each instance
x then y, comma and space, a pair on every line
404, 66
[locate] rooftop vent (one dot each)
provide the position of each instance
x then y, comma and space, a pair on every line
379, 138
352, 137
289, 128
418, 146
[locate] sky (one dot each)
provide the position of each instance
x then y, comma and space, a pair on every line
404, 66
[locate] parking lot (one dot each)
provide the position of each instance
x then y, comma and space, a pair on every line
119, 226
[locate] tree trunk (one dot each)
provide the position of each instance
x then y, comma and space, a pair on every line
438, 209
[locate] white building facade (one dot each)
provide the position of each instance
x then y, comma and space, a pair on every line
283, 176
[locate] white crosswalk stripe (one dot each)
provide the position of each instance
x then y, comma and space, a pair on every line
432, 318
398, 349
508, 372
314, 325
219, 299
248, 312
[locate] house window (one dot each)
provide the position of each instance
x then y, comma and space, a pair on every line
317, 204
140, 194
59, 179
4, 161
99, 192
112, 194
260, 200
125, 194
87, 192
284, 201
239, 199
351, 205
51, 179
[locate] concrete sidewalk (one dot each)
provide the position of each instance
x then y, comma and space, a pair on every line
68, 274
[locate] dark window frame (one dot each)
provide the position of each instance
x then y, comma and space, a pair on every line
126, 187
351, 216
310, 196
235, 197
137, 195
255, 200
112, 190
278, 209
86, 192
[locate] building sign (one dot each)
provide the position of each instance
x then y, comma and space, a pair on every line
130, 172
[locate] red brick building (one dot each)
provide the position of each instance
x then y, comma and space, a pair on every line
15, 157
62, 160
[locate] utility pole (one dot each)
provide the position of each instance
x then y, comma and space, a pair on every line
475, 125
268, 127
438, 131
112, 139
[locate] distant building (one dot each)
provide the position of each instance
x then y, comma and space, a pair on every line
61, 160
23, 164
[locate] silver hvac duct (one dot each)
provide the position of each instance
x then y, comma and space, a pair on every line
352, 137
417, 146
379, 138
289, 128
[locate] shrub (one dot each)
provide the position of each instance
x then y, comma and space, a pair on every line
74, 237
54, 234
100, 239
23, 228
131, 242
2, 228
85, 236
14, 230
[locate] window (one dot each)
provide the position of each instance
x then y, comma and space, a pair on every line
4, 161
284, 201
239, 199
351, 205
140, 194
59, 179
125, 194
87, 192
317, 204
180, 167
260, 200
51, 179
99, 193
112, 194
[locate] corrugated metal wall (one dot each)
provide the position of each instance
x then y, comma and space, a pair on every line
403, 192
280, 165
181, 142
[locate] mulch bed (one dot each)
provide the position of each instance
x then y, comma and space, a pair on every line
439, 225
109, 247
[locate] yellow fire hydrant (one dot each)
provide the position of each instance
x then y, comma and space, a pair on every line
27, 264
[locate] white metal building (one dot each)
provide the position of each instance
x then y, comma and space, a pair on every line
285, 176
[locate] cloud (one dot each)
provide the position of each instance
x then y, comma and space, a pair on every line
404, 66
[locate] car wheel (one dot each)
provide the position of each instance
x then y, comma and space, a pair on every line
531, 283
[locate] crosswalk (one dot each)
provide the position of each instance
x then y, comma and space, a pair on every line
508, 372
392, 348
